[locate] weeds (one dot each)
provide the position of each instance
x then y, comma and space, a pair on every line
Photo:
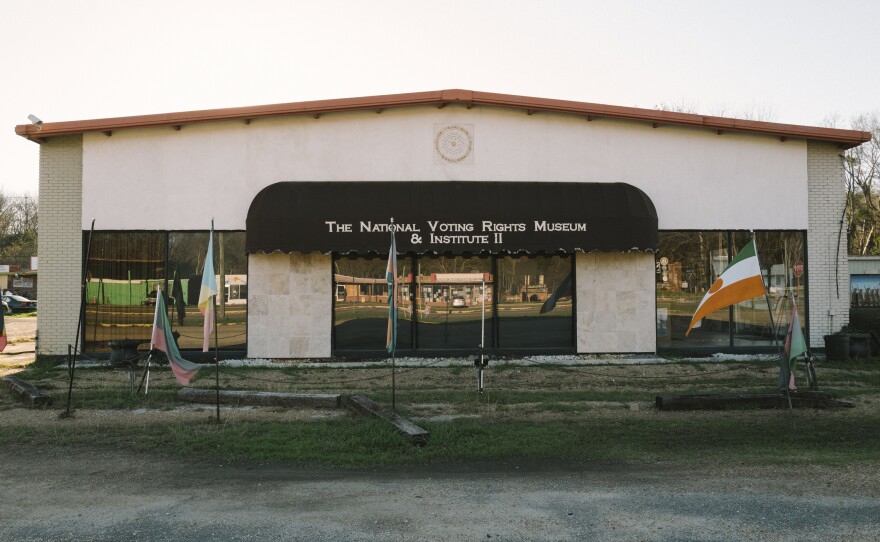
534, 411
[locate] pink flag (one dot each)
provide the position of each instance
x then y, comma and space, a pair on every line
208, 326
208, 292
163, 340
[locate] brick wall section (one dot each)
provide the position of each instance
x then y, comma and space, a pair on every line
827, 197
59, 243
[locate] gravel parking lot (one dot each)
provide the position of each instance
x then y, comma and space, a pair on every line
103, 495
23, 328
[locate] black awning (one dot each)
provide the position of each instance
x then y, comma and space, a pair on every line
451, 217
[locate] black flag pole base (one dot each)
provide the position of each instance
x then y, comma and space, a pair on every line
146, 375
481, 362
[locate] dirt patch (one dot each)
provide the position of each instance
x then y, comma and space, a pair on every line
20, 328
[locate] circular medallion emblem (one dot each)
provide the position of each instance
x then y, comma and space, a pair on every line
453, 143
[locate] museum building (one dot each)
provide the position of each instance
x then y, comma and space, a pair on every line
529, 225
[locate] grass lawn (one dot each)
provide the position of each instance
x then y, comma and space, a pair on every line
548, 413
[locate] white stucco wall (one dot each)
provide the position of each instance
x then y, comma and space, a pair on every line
162, 178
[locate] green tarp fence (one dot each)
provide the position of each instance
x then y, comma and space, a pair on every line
123, 292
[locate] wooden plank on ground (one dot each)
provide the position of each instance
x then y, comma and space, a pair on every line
361, 404
260, 398
806, 399
27, 392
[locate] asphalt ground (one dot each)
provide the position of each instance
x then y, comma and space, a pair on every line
82, 494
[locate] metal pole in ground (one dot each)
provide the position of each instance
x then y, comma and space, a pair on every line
216, 338
71, 363
481, 361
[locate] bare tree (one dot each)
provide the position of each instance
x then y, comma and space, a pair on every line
862, 169
752, 111
18, 229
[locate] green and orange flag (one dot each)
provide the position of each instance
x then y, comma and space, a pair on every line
741, 281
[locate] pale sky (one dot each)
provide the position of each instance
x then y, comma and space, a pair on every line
787, 61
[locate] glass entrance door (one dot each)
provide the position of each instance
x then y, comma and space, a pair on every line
454, 302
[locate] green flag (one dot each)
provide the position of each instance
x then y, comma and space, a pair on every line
795, 345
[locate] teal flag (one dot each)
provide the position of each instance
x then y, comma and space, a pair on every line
391, 278
795, 345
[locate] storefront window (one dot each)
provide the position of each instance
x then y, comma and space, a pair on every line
360, 316
454, 302
127, 270
777, 253
535, 302
124, 270
450, 303
186, 262
686, 266
689, 262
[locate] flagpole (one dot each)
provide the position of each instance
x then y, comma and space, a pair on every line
774, 331
393, 315
216, 337
159, 292
71, 361
216, 356
146, 375
97, 302
481, 361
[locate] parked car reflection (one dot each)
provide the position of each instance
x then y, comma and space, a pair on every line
17, 303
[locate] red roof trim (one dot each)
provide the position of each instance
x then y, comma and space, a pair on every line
846, 138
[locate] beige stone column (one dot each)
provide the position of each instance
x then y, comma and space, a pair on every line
290, 305
616, 303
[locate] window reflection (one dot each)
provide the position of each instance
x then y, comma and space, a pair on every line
689, 262
535, 302
124, 271
777, 254
449, 303
127, 270
686, 266
186, 262
360, 316
453, 298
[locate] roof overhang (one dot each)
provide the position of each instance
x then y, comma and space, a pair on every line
442, 98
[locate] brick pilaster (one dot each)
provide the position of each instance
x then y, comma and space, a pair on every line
827, 268
59, 244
